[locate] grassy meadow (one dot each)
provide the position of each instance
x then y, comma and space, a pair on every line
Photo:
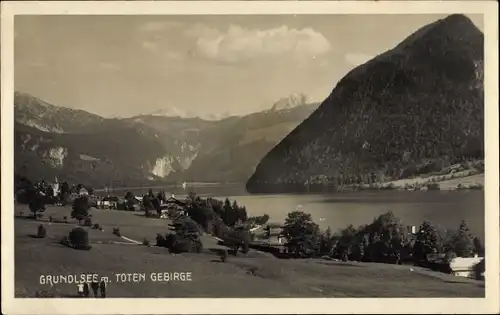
255, 274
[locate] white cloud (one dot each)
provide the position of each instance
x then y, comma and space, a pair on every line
239, 43
357, 59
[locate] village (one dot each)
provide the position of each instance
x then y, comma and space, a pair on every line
197, 223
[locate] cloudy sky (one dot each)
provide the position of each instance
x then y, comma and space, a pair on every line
196, 65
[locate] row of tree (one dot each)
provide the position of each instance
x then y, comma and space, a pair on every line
212, 212
386, 239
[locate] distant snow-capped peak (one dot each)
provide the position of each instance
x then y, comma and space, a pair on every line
291, 101
215, 116
176, 112
168, 112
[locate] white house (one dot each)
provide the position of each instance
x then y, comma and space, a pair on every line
465, 266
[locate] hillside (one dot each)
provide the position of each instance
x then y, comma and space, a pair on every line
104, 158
415, 108
79, 146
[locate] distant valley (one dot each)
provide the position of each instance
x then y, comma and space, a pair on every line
79, 146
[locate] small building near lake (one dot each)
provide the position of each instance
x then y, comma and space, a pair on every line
468, 267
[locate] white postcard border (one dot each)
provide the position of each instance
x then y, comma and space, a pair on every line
489, 304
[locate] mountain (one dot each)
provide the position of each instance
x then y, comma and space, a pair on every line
36, 113
417, 106
174, 112
168, 112
231, 148
82, 147
290, 102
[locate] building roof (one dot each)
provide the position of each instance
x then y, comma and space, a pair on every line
175, 201
464, 263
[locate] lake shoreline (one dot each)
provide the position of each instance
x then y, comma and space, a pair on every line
446, 183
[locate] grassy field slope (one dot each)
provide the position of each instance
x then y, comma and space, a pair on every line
255, 274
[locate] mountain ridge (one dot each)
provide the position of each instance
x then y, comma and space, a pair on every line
417, 84
58, 141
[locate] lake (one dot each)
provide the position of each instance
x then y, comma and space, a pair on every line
442, 208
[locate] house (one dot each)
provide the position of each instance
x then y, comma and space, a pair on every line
173, 202
103, 204
110, 202
83, 192
467, 267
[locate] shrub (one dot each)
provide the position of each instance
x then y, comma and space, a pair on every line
116, 231
160, 240
145, 242
41, 232
223, 255
170, 240
96, 226
87, 222
245, 247
79, 238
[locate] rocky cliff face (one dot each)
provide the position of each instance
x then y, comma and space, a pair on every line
419, 103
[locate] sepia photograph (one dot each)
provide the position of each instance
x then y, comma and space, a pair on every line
224, 154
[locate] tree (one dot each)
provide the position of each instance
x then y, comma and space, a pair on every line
347, 241
462, 241
80, 208
156, 203
36, 202
229, 214
161, 196
130, 200
478, 247
64, 191
326, 244
241, 213
428, 241
301, 232
235, 206
148, 204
